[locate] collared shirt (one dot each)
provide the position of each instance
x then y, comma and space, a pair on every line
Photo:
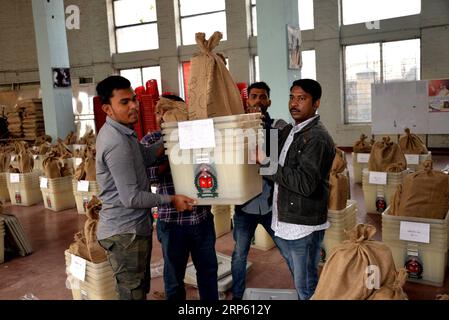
124, 186
167, 212
290, 231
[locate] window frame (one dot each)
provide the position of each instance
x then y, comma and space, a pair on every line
141, 74
129, 26
195, 15
381, 75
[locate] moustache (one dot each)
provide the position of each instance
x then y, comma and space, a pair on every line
293, 109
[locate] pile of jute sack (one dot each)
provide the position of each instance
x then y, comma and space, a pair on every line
45, 171
26, 119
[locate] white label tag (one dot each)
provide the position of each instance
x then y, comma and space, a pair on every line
412, 231
77, 267
196, 134
13, 158
44, 183
14, 177
363, 157
378, 177
35, 156
83, 185
78, 161
412, 158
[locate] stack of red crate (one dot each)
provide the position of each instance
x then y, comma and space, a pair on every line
147, 113
99, 114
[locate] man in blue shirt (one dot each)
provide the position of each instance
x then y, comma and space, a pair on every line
258, 210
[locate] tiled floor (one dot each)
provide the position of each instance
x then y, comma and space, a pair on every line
43, 272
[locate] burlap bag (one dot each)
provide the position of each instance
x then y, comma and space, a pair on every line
96, 252
44, 148
42, 139
442, 297
70, 139
88, 138
412, 144
63, 149
80, 172
52, 166
338, 182
424, 193
172, 110
384, 154
67, 170
212, 90
361, 146
79, 247
13, 169
5, 160
394, 290
344, 275
25, 161
89, 165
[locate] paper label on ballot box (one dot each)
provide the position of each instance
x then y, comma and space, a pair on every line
83, 186
15, 177
196, 134
77, 267
413, 231
378, 177
412, 158
363, 157
44, 183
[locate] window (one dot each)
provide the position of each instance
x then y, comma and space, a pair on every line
357, 11
201, 16
254, 17
366, 64
135, 25
308, 70
139, 76
305, 14
256, 69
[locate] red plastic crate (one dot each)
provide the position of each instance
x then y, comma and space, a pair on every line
99, 114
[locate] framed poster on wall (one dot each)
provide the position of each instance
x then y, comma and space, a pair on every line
294, 47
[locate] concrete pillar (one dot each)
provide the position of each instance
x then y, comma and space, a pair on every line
52, 52
272, 47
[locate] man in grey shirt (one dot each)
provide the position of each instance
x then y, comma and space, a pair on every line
125, 226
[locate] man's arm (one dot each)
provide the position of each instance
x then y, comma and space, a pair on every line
125, 177
305, 177
152, 153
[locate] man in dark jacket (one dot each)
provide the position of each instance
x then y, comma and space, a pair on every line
301, 188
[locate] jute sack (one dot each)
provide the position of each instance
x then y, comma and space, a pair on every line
96, 252
79, 247
42, 139
361, 146
80, 172
338, 182
88, 138
26, 161
394, 290
70, 139
412, 144
44, 148
172, 110
424, 193
384, 154
212, 90
52, 166
345, 274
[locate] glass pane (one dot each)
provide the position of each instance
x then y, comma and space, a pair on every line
308, 70
401, 60
253, 2
256, 69
214, 22
357, 11
137, 38
254, 20
134, 11
134, 76
149, 73
362, 68
189, 7
305, 11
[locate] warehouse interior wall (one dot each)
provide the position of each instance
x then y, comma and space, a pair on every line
92, 51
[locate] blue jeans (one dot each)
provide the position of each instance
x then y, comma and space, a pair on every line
303, 257
244, 228
178, 241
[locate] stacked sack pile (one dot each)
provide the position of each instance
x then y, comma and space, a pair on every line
56, 185
342, 213
361, 269
414, 150
14, 117
99, 283
360, 156
85, 184
386, 168
423, 197
23, 182
32, 118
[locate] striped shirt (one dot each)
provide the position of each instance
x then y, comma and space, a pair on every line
165, 186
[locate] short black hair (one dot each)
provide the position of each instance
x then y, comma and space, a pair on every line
310, 86
111, 83
173, 97
259, 85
